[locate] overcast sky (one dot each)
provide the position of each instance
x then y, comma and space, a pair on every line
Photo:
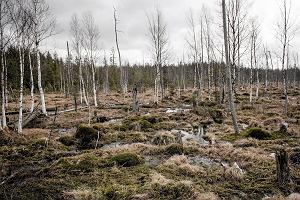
134, 43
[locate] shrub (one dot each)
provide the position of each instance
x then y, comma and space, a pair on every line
125, 160
174, 149
86, 135
67, 140
259, 134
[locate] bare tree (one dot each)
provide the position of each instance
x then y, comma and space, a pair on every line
123, 77
193, 44
106, 81
209, 50
5, 38
231, 100
253, 53
157, 30
21, 23
285, 34
43, 27
91, 37
77, 34
237, 34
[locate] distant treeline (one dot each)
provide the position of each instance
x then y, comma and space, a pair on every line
56, 71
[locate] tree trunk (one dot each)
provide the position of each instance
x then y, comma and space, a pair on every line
42, 96
3, 93
21, 55
94, 85
283, 174
257, 83
31, 84
135, 104
82, 83
5, 82
231, 101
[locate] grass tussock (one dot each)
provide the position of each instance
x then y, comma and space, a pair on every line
181, 164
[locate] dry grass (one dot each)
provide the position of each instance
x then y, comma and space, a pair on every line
234, 172
80, 194
157, 178
180, 162
207, 196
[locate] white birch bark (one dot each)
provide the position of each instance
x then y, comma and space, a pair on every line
231, 101
3, 98
20, 121
42, 96
94, 85
82, 88
31, 84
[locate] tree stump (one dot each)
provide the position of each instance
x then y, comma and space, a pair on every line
135, 104
283, 175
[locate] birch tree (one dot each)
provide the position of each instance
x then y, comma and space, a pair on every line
91, 37
19, 13
5, 39
237, 34
253, 54
285, 34
231, 99
43, 27
157, 30
77, 40
193, 44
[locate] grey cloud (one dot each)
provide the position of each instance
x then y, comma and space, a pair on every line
133, 22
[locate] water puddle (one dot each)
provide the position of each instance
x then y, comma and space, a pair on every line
176, 110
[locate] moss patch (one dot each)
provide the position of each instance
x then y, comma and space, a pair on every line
67, 140
86, 136
174, 149
125, 160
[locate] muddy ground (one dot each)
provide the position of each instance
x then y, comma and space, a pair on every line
170, 151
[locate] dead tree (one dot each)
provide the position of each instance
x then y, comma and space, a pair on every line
123, 77
77, 34
208, 51
135, 103
237, 35
283, 174
231, 100
267, 69
106, 80
157, 30
192, 42
253, 54
91, 37
285, 34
